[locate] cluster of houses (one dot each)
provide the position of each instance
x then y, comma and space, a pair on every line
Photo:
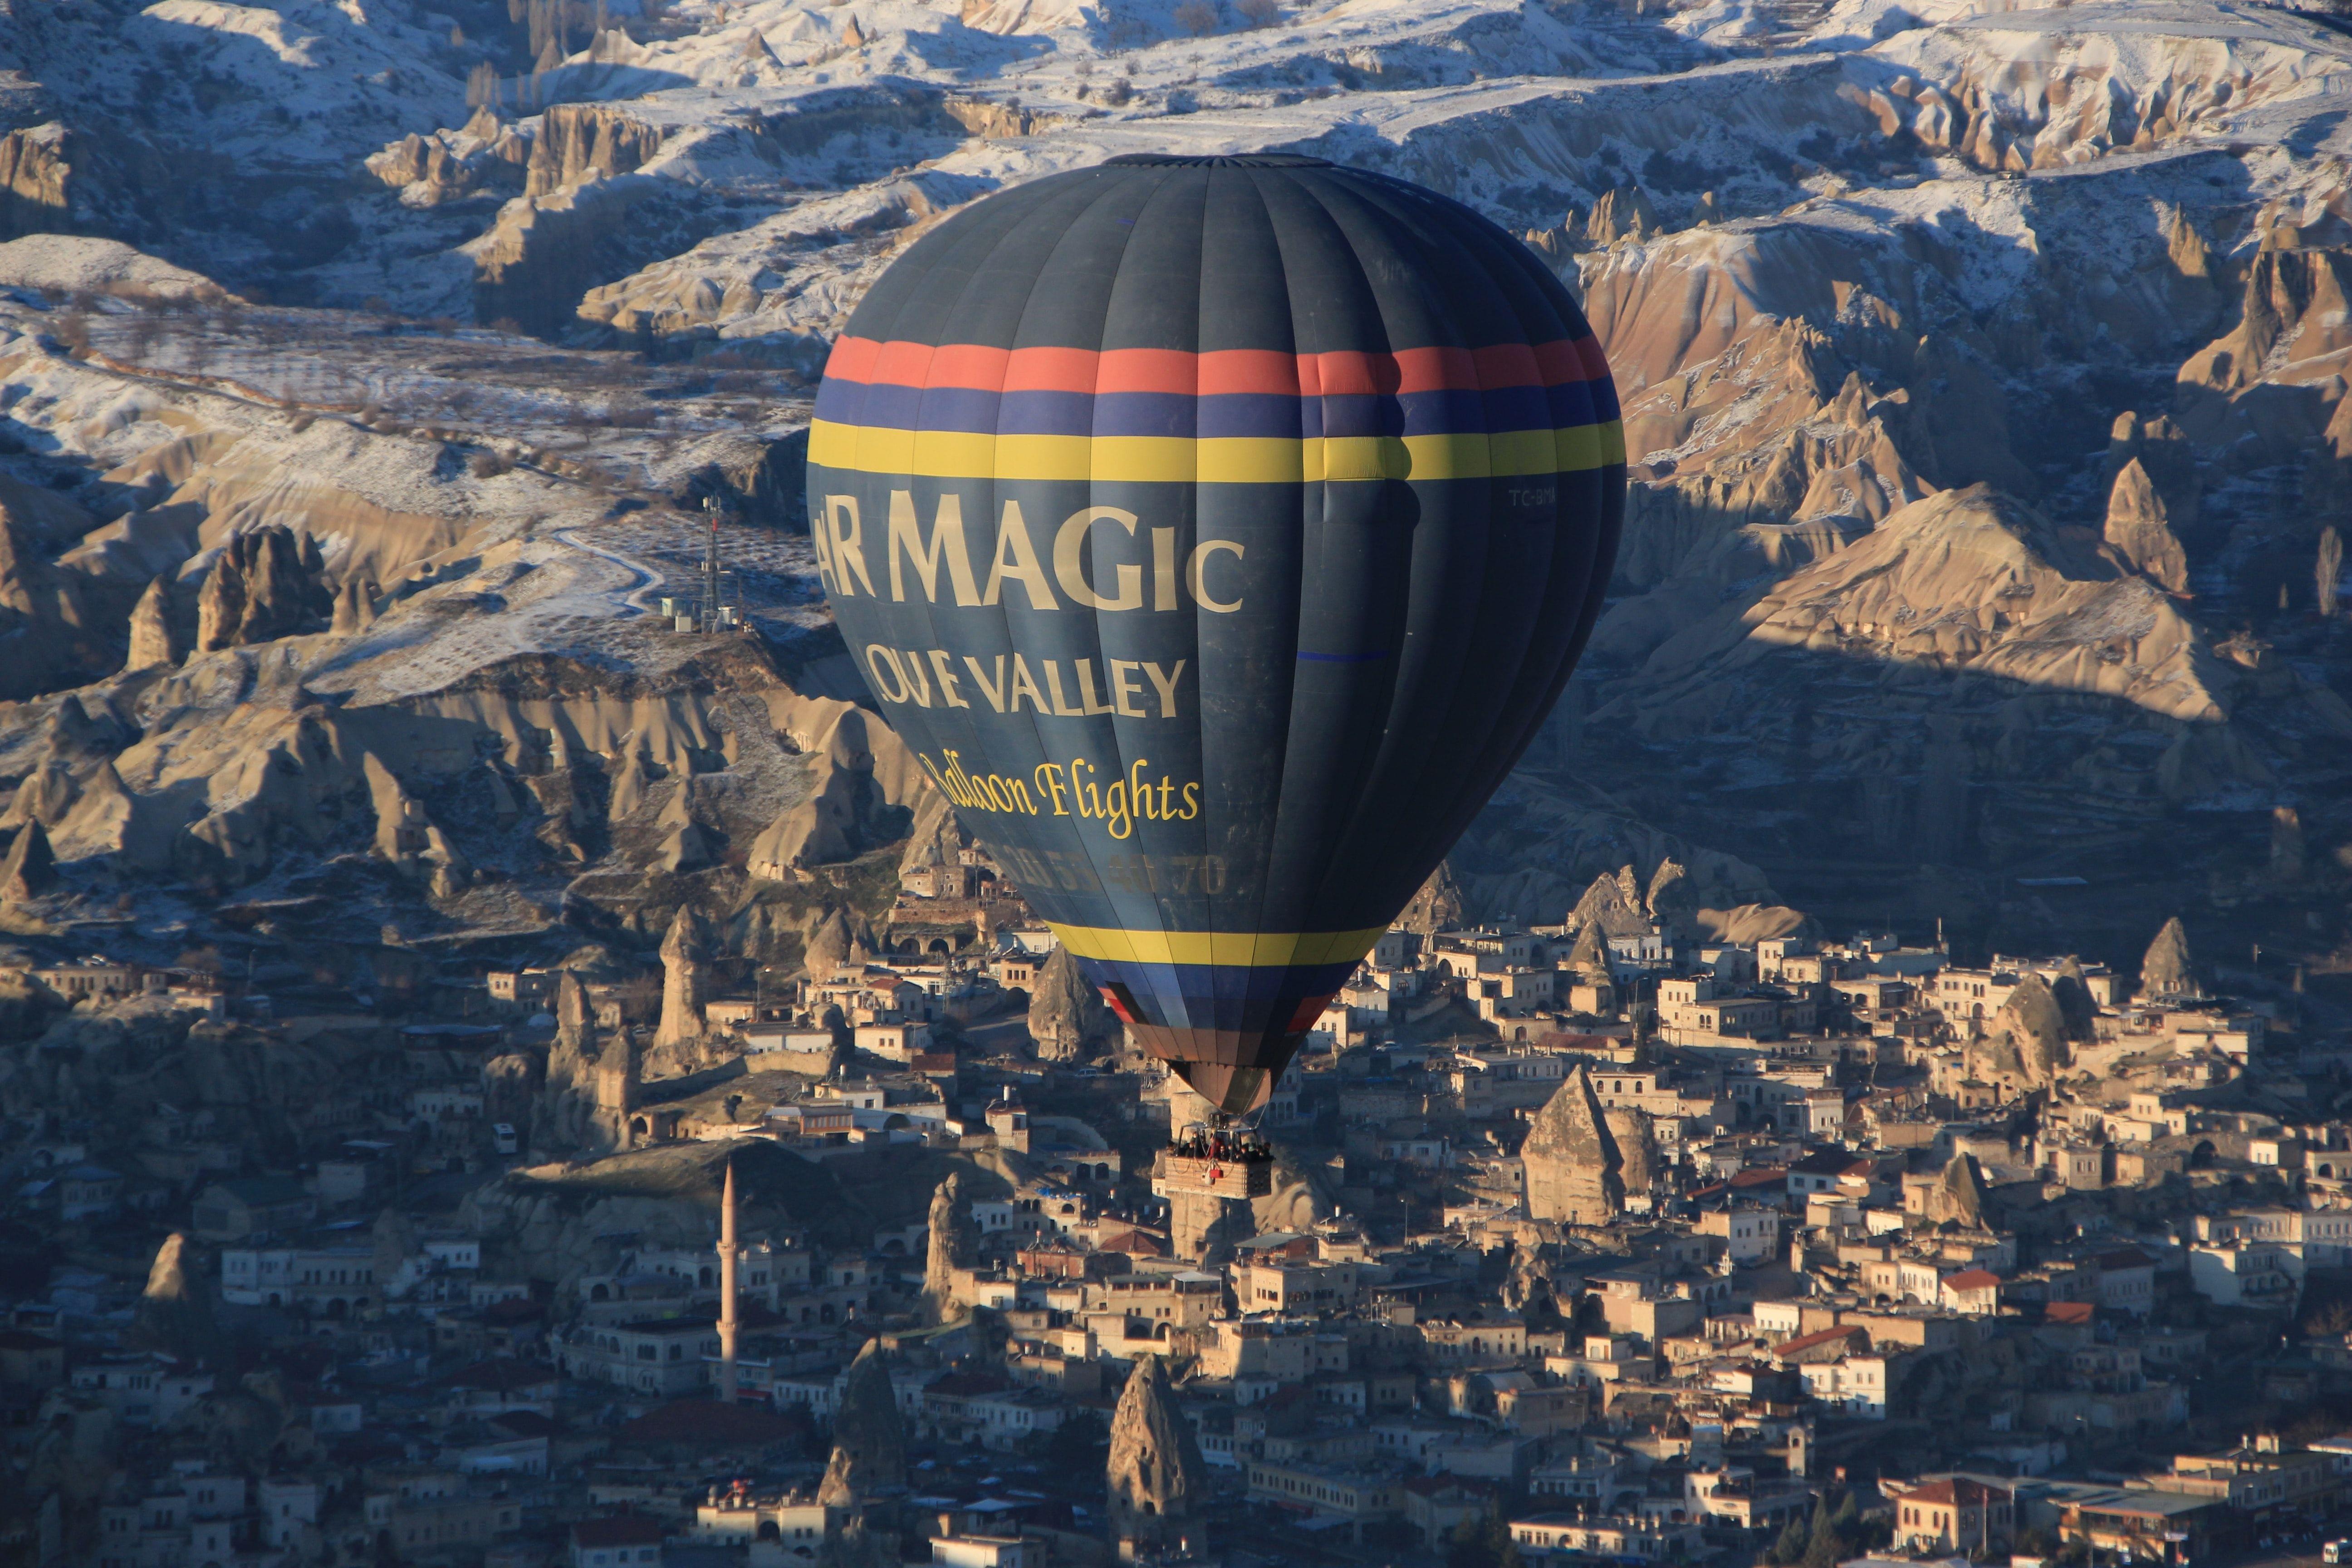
1836, 1220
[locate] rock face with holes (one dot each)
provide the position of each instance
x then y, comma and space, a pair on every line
1631, 1129
1067, 1017
1958, 1195
952, 1244
869, 1444
1158, 1479
1574, 1170
2026, 1045
2166, 970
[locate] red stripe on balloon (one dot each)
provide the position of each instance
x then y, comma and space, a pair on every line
1339, 372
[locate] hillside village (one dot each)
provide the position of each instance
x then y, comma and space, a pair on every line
507, 1062
1658, 1234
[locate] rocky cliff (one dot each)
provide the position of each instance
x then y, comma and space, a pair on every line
1574, 1169
2166, 969
869, 1450
2093, 260
952, 1242
1067, 1020
35, 181
1157, 1477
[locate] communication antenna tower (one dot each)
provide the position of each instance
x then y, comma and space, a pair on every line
711, 614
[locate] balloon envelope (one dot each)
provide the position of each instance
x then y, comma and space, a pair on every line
1218, 532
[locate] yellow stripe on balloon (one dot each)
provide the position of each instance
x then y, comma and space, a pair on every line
1224, 459
1264, 950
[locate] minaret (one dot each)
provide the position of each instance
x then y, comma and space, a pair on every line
727, 1251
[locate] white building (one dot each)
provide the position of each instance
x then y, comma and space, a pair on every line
334, 1279
142, 1390
987, 1551
1854, 1386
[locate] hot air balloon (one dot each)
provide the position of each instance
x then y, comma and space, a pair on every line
1218, 532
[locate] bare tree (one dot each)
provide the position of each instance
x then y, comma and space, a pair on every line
1197, 17
2329, 570
641, 998
2335, 1318
1260, 13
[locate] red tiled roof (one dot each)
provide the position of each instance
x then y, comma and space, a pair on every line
1137, 1243
1822, 1337
1973, 1279
1744, 1180
2068, 1312
1576, 1042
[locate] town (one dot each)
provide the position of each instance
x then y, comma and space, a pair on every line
1634, 1238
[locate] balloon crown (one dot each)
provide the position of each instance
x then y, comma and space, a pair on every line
1220, 161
